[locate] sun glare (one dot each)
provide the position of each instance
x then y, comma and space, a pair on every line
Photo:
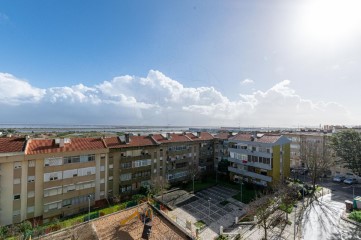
329, 21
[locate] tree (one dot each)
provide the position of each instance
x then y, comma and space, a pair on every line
3, 232
347, 146
263, 208
158, 185
25, 228
317, 156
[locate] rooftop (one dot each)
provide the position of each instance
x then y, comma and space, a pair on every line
12, 144
135, 141
261, 138
43, 146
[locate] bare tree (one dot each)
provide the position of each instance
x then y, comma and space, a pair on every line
317, 156
158, 185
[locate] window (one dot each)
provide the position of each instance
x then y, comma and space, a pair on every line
52, 206
30, 209
31, 178
56, 161
102, 193
125, 177
16, 196
102, 168
32, 163
31, 194
102, 180
17, 165
52, 176
17, 180
110, 178
69, 188
126, 165
16, 213
53, 191
110, 166
66, 202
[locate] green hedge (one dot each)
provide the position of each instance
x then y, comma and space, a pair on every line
355, 215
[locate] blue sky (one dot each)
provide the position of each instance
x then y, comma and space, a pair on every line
188, 62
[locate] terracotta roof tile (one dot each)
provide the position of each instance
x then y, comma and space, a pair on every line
174, 137
203, 136
12, 144
264, 138
43, 146
223, 135
135, 141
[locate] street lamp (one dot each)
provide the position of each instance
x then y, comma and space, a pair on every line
294, 224
89, 196
209, 209
242, 190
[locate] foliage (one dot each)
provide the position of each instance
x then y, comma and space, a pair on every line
138, 197
355, 215
347, 146
25, 228
200, 224
317, 156
223, 166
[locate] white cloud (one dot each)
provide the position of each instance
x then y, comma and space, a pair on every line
159, 100
15, 91
247, 81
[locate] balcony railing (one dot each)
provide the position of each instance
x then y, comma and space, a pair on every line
251, 164
250, 174
250, 152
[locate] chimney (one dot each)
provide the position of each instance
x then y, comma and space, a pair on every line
61, 143
198, 134
168, 136
127, 138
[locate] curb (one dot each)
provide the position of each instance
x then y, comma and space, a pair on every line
345, 218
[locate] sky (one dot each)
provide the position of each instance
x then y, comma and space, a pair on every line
190, 63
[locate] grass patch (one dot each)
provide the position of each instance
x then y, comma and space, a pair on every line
355, 215
200, 224
248, 195
199, 185
247, 218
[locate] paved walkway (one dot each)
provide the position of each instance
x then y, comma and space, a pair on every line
214, 207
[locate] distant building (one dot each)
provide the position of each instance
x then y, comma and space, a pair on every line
263, 159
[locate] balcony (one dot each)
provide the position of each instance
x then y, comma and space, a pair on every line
250, 174
251, 164
250, 152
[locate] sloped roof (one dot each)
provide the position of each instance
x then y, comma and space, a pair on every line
135, 141
174, 137
263, 138
223, 135
43, 146
203, 136
12, 144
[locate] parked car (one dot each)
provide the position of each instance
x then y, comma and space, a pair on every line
339, 179
350, 181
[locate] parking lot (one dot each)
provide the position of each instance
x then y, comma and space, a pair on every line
208, 208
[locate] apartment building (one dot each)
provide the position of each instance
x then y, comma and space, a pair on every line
263, 159
11, 156
132, 162
221, 147
205, 143
180, 156
53, 178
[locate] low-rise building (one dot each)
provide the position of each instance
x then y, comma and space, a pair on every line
263, 159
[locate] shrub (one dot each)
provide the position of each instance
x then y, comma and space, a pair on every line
355, 215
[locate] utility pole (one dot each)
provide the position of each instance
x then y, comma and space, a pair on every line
294, 224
